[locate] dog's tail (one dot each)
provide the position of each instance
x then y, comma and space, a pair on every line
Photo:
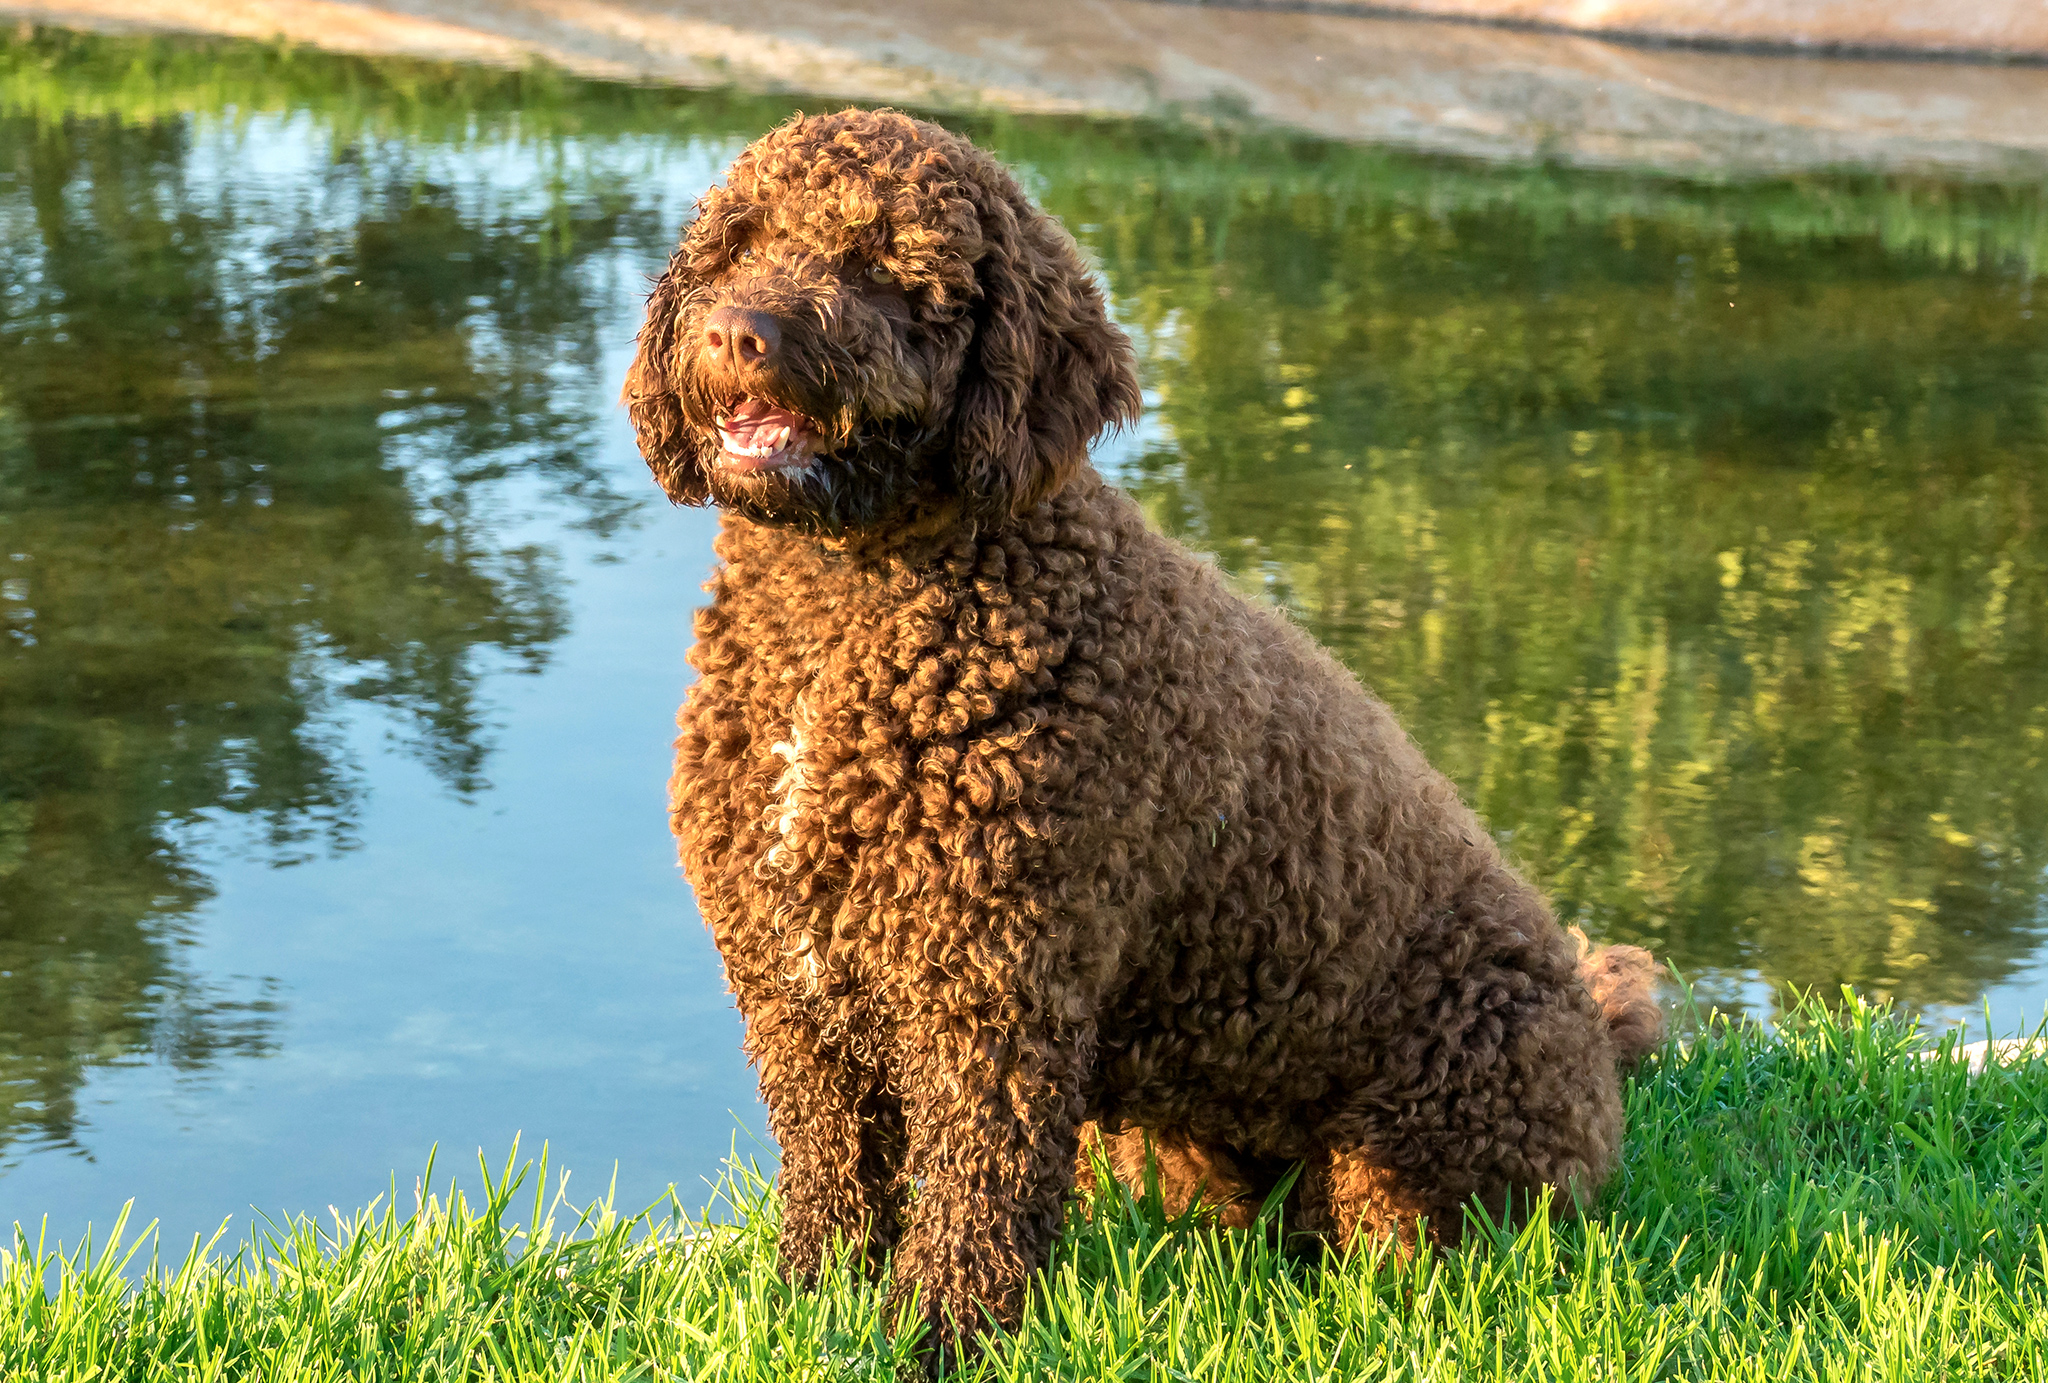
1624, 983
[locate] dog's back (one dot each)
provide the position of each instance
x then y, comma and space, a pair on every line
1326, 938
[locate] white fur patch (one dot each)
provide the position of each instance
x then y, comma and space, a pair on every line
784, 816
792, 789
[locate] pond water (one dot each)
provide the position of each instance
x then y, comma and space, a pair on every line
1698, 531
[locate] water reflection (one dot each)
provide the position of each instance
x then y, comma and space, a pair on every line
1696, 531
245, 439
1709, 561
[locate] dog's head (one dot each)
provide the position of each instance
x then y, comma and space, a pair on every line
871, 315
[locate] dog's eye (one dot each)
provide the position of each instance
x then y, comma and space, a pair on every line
745, 256
878, 274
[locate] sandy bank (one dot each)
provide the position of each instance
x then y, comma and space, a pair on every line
1452, 88
1989, 27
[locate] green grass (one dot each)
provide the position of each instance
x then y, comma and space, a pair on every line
1819, 1203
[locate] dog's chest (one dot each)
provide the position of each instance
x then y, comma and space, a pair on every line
794, 807
825, 750
813, 786
833, 699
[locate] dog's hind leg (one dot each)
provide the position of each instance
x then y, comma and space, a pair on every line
1187, 1173
1352, 1199
1520, 1100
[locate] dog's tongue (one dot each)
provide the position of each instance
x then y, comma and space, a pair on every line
754, 420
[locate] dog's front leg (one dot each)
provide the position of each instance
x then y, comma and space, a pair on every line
993, 1114
841, 1135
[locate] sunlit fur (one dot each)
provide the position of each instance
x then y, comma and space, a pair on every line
972, 382
1007, 814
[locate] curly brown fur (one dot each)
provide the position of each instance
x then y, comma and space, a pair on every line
1189, 1173
1623, 981
1006, 814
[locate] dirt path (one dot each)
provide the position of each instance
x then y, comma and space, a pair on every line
2008, 27
1454, 88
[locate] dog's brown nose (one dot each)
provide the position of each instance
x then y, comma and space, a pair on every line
741, 336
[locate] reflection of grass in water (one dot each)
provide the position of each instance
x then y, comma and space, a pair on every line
58, 75
1823, 1205
1731, 617
242, 481
1768, 724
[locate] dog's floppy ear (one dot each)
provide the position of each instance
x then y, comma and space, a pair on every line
1046, 371
670, 446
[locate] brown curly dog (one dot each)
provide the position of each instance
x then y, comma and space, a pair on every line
1007, 814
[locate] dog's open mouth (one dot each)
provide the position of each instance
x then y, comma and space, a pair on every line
757, 435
